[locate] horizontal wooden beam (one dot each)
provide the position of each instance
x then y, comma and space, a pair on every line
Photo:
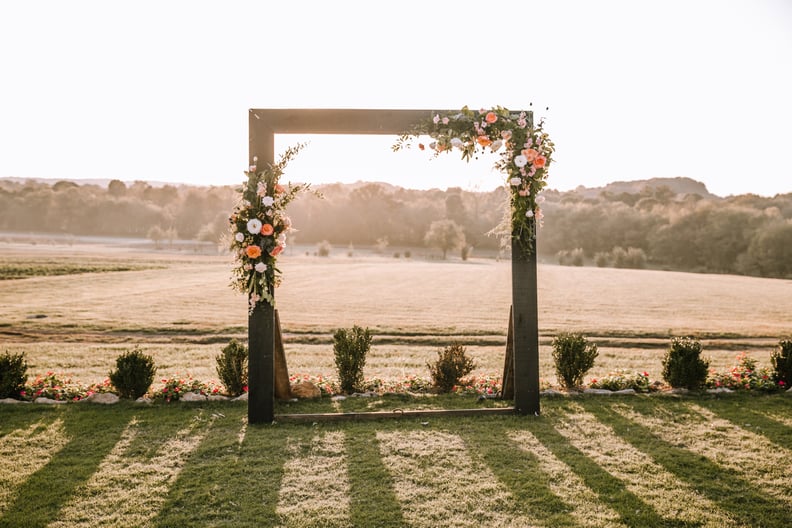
396, 413
341, 121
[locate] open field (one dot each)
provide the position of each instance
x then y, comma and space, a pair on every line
177, 305
639, 461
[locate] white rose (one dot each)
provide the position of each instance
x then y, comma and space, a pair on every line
496, 145
529, 214
254, 226
239, 237
261, 267
520, 160
514, 182
456, 142
267, 201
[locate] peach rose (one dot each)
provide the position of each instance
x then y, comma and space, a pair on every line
267, 229
276, 251
253, 251
539, 162
491, 117
279, 189
530, 154
484, 141
506, 135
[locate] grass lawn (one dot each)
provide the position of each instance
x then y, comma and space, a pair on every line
586, 462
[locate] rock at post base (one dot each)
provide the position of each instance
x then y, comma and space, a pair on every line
106, 398
305, 390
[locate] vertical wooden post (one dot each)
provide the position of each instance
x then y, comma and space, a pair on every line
526, 330
261, 323
507, 381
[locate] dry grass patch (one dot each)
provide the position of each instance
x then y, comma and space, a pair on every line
24, 451
662, 492
584, 505
129, 487
439, 484
315, 487
733, 447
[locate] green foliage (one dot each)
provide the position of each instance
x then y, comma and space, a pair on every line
573, 356
232, 367
350, 347
781, 359
683, 366
445, 235
621, 380
13, 374
451, 365
134, 374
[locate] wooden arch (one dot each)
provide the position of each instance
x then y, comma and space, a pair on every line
263, 125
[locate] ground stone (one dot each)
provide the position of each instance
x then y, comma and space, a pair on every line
604, 392
338, 397
12, 400
241, 397
48, 401
217, 397
105, 398
192, 397
624, 391
719, 390
551, 392
305, 390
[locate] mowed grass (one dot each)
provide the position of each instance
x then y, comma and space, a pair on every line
647, 461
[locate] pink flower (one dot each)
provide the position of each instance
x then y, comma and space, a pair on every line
276, 251
436, 119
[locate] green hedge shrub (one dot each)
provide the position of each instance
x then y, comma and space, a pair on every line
683, 366
781, 359
134, 374
350, 347
232, 367
13, 374
573, 356
452, 364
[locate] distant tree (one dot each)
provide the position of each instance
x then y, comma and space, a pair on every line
156, 234
445, 235
116, 188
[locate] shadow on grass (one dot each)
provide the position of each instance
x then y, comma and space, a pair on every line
612, 491
761, 424
234, 475
92, 432
519, 472
373, 501
734, 494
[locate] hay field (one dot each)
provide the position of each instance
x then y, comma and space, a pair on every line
178, 306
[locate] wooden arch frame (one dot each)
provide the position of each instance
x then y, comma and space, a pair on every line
263, 125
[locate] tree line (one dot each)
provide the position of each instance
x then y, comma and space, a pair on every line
660, 225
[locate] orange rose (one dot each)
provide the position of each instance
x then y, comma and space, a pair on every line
539, 162
421, 146
491, 117
484, 141
267, 229
253, 252
530, 154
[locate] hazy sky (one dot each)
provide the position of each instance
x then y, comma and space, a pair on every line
159, 90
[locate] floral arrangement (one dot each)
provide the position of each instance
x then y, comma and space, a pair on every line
525, 153
258, 227
744, 376
175, 386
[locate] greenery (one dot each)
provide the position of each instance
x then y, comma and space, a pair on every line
134, 374
621, 380
350, 347
258, 228
744, 375
781, 360
595, 462
175, 387
683, 366
232, 367
573, 357
13, 374
452, 364
445, 235
676, 222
